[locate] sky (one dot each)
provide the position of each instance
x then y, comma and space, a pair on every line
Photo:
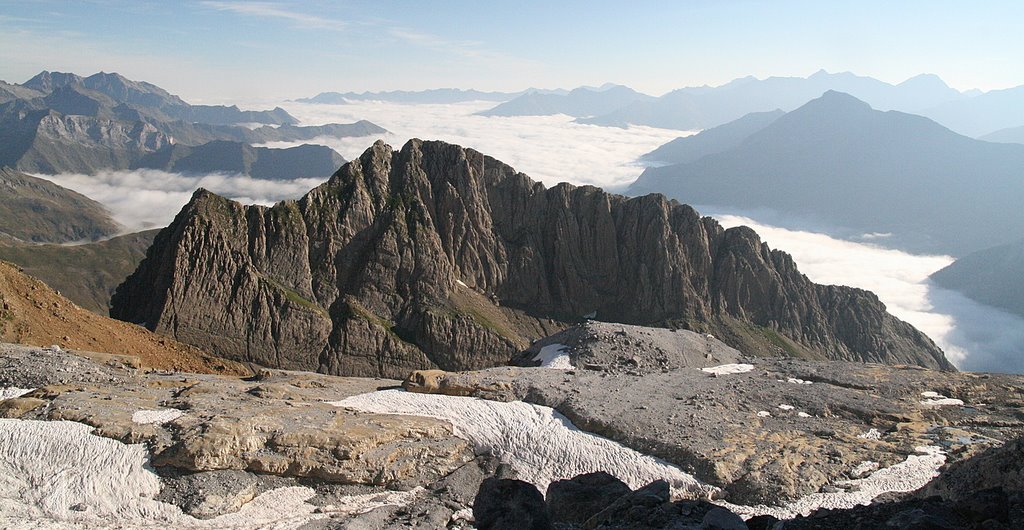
228, 51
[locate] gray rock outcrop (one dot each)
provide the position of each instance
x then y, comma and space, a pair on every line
438, 256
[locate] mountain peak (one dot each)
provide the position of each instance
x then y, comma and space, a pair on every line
836, 101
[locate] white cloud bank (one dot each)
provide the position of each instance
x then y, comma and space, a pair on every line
974, 336
150, 198
550, 149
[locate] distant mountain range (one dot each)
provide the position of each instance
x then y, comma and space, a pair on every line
704, 107
982, 114
58, 122
580, 102
993, 276
840, 163
437, 96
154, 100
1012, 135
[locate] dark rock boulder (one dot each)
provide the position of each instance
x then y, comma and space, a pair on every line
575, 500
438, 256
508, 504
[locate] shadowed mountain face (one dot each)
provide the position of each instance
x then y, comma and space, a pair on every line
39, 211
993, 276
304, 161
88, 273
437, 256
840, 163
711, 141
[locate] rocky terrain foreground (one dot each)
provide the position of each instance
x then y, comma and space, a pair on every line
438, 256
691, 432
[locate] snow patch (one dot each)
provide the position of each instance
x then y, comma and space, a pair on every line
12, 392
359, 504
797, 381
725, 369
803, 414
942, 402
936, 399
873, 434
908, 475
461, 283
764, 414
786, 407
46, 468
158, 417
541, 444
555, 356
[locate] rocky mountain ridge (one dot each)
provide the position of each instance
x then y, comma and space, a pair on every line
64, 123
438, 256
153, 99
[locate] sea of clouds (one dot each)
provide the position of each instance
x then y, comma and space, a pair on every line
553, 149
150, 198
550, 149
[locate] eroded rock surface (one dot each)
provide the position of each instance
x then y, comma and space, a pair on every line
783, 430
279, 425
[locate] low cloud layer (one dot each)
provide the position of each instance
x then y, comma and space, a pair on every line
150, 198
550, 149
974, 336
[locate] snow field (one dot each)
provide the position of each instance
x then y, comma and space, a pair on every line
908, 475
59, 475
540, 443
726, 369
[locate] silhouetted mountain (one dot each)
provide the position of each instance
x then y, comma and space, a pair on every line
705, 107
234, 157
440, 256
580, 102
154, 100
993, 276
1012, 135
711, 141
37, 210
838, 162
981, 114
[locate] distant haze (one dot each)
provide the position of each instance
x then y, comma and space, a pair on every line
226, 50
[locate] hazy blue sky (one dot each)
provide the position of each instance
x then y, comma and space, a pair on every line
225, 50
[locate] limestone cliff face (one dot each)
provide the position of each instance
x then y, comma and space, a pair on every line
437, 256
